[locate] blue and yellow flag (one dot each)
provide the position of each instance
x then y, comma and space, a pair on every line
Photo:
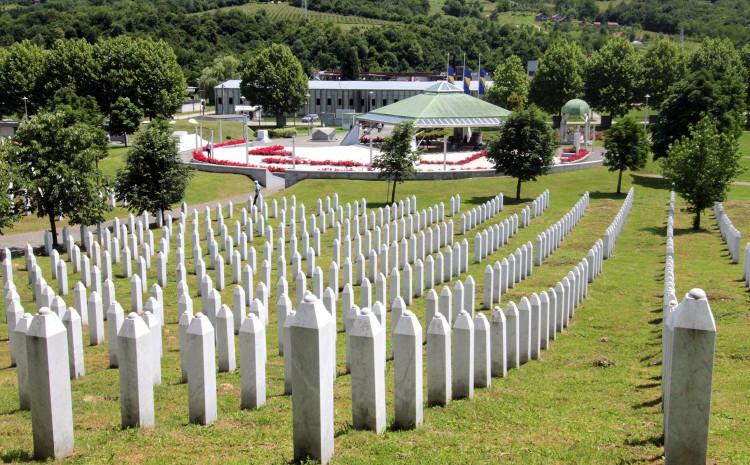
482, 81
467, 81
451, 75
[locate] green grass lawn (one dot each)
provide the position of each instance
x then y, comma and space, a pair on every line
203, 187
561, 409
745, 143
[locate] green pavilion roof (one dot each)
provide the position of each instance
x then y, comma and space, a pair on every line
442, 105
576, 107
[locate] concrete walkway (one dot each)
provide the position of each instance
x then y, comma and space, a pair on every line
17, 242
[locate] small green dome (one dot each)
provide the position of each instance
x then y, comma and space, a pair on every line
576, 107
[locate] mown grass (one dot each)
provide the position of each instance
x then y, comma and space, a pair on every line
561, 409
202, 187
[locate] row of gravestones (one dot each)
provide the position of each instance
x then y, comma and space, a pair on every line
463, 352
688, 346
729, 233
137, 287
482, 213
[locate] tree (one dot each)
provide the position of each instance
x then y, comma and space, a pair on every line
144, 70
397, 158
510, 88
70, 64
222, 68
626, 147
83, 109
613, 77
351, 67
462, 8
56, 157
559, 77
124, 117
525, 147
714, 86
153, 178
11, 205
21, 71
662, 65
701, 166
274, 79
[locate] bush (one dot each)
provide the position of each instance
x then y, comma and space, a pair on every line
287, 133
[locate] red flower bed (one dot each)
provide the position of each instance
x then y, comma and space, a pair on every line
200, 156
376, 140
302, 161
570, 150
228, 143
463, 161
273, 150
582, 153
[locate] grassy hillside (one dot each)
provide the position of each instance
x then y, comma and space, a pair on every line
560, 409
287, 12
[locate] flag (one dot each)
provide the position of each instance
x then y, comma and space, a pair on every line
467, 81
482, 81
451, 75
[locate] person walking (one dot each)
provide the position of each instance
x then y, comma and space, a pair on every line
257, 192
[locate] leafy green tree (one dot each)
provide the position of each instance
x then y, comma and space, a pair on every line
525, 147
510, 88
559, 77
153, 178
222, 68
461, 8
274, 79
84, 109
11, 200
56, 158
351, 67
70, 64
701, 166
124, 117
663, 64
613, 77
21, 71
714, 86
397, 159
626, 147
144, 70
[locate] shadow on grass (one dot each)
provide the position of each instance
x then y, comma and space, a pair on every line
647, 181
656, 441
661, 231
648, 386
606, 195
655, 321
648, 403
17, 455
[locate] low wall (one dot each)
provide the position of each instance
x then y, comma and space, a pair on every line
292, 177
262, 175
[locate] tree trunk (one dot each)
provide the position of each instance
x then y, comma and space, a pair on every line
53, 229
518, 189
697, 220
619, 181
280, 120
393, 192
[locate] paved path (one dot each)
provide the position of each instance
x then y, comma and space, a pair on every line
17, 242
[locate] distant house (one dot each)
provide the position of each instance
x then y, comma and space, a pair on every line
558, 18
597, 24
541, 17
8, 128
613, 24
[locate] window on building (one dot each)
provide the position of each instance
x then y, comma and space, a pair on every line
317, 102
351, 103
385, 101
372, 103
231, 100
328, 102
395, 100
361, 102
339, 102
221, 101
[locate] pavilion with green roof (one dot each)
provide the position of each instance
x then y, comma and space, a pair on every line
577, 113
442, 105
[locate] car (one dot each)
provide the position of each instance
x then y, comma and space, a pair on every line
310, 118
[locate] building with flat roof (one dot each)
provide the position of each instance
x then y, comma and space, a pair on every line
331, 99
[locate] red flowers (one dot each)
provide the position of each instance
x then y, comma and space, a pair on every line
200, 156
582, 153
375, 140
226, 144
273, 150
302, 161
463, 161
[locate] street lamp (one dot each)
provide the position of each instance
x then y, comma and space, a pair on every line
25, 108
646, 117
